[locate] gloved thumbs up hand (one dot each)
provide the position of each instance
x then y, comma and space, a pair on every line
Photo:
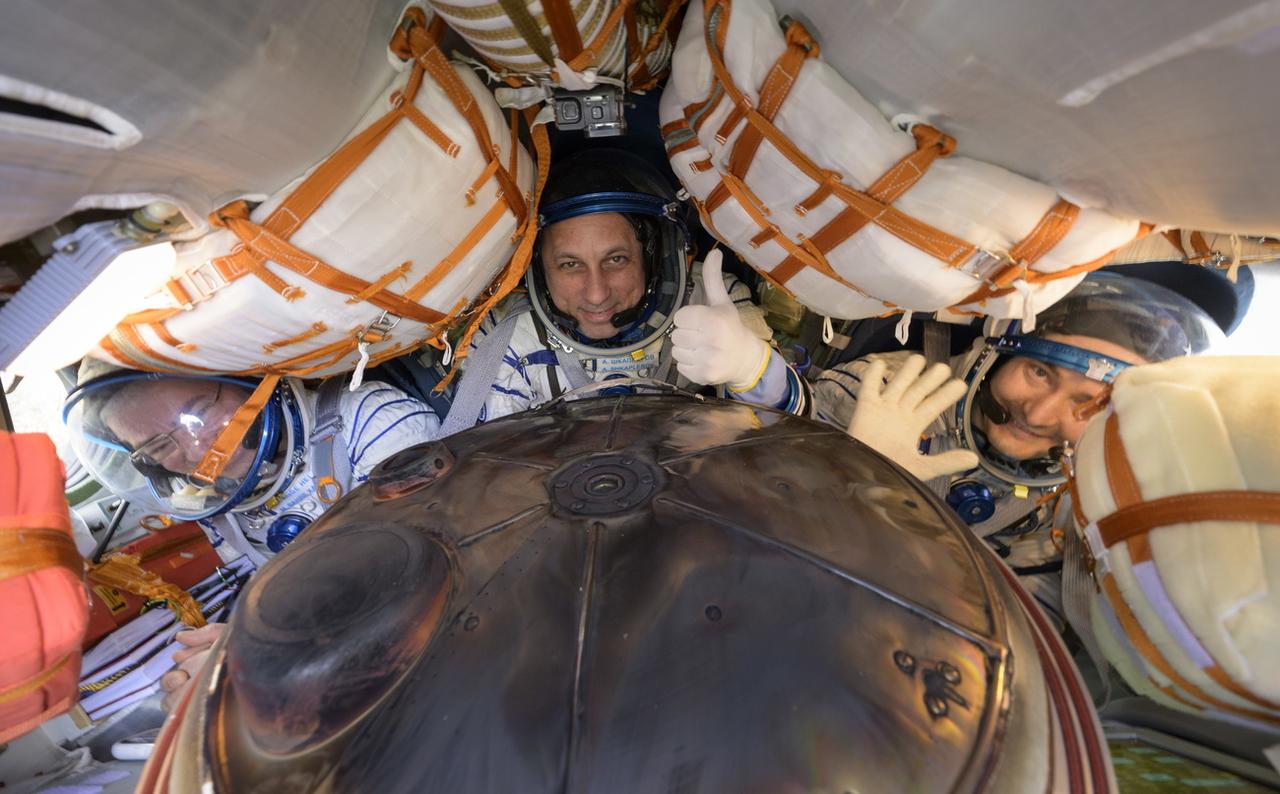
890, 417
710, 344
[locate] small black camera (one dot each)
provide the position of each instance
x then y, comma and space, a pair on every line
598, 111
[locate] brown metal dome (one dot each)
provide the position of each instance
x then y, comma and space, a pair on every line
638, 594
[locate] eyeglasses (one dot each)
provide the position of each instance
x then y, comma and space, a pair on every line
163, 445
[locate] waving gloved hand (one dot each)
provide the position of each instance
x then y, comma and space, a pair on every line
890, 417
710, 344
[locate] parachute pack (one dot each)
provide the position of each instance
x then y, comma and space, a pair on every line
604, 36
387, 243
1178, 503
855, 215
412, 227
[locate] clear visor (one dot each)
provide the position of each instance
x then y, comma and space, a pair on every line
666, 287
980, 409
158, 428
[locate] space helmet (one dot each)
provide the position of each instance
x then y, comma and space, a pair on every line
601, 180
1152, 322
130, 427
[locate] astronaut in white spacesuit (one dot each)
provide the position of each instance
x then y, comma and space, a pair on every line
607, 285
142, 435
988, 430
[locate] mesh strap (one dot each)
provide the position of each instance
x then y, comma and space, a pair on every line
482, 370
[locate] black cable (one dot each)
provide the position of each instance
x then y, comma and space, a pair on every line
1045, 567
110, 533
6, 418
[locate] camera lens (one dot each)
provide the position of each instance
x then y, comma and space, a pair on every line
569, 111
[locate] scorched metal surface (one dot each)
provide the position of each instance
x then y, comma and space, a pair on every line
634, 594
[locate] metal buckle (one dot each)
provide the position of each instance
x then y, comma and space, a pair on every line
985, 264
385, 322
201, 282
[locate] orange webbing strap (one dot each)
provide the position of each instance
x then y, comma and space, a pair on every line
804, 251
1174, 237
672, 127
269, 240
149, 316
654, 41
451, 260
384, 281
564, 28
478, 182
225, 445
148, 358
32, 684
125, 572
424, 42
930, 145
29, 550
162, 331
242, 262
1047, 233
1094, 405
992, 290
1142, 642
1138, 519
773, 91
1130, 524
630, 23
1199, 245
588, 56
305, 364
1124, 484
950, 249
262, 242
513, 164
1144, 229
1073, 491
519, 260
315, 330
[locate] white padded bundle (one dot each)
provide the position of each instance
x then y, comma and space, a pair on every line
488, 28
405, 206
1189, 613
1202, 248
834, 126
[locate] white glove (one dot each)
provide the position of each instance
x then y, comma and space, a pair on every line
710, 344
890, 418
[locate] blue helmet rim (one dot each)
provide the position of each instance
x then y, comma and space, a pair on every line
1091, 364
610, 201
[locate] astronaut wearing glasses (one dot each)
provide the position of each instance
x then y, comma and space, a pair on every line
143, 435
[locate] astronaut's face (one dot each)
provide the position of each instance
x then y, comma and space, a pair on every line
594, 269
1041, 399
171, 423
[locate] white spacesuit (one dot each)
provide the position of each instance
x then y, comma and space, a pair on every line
141, 434
962, 436
607, 286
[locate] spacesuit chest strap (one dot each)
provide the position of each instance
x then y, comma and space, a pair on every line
482, 370
574, 372
330, 464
